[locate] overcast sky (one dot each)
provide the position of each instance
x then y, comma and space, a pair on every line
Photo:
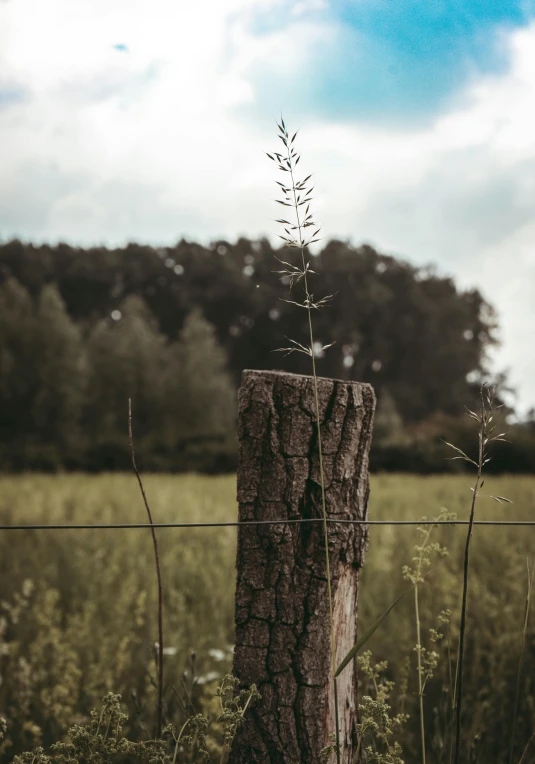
130, 120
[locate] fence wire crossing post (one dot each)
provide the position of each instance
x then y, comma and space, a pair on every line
282, 620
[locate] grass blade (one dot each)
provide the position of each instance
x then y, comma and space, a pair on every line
368, 633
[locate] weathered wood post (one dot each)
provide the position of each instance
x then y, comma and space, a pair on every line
282, 612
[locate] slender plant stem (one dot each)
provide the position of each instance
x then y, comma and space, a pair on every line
158, 573
524, 759
521, 659
453, 690
465, 587
322, 475
419, 655
179, 739
417, 578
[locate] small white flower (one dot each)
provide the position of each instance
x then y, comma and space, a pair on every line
211, 676
217, 655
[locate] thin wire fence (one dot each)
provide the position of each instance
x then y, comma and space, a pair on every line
235, 524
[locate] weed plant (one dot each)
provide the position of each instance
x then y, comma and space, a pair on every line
486, 436
427, 659
160, 644
102, 739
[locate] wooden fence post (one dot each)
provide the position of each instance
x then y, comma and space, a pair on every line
282, 613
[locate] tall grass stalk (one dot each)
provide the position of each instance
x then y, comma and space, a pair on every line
297, 196
419, 653
485, 437
419, 642
426, 660
521, 659
158, 572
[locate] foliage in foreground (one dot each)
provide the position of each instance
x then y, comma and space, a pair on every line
86, 625
102, 740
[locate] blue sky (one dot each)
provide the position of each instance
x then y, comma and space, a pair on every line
126, 120
391, 62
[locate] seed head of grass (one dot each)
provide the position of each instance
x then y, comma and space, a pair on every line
297, 195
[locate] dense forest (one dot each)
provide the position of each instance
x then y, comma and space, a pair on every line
81, 331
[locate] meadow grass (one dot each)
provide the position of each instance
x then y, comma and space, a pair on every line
88, 626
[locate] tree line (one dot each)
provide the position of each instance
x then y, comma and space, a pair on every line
64, 388
172, 328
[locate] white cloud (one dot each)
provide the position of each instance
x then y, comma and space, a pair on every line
461, 193
147, 144
154, 119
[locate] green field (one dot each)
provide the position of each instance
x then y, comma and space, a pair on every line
78, 608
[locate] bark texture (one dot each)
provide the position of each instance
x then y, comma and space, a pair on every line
282, 611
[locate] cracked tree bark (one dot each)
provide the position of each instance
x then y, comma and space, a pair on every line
282, 611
